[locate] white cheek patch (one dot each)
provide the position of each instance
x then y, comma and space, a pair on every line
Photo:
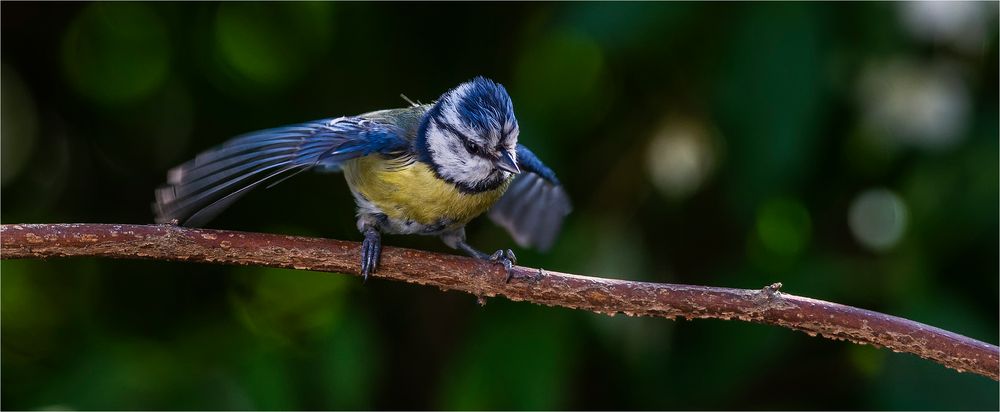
454, 163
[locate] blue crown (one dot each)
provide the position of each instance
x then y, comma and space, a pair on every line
484, 104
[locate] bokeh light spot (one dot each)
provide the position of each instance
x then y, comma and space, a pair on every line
784, 226
915, 104
116, 52
680, 158
964, 24
272, 44
877, 219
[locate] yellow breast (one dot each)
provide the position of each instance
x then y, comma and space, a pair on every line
413, 192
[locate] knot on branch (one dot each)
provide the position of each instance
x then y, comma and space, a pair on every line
770, 298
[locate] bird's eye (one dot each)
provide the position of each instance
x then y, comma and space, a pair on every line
471, 147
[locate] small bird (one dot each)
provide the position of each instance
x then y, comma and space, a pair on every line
427, 169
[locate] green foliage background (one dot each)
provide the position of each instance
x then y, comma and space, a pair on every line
100, 99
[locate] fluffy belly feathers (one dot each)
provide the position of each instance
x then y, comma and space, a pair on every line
412, 197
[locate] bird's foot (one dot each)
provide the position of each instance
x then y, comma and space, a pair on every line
504, 257
371, 252
508, 260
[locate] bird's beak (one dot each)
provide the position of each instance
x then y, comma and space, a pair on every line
507, 162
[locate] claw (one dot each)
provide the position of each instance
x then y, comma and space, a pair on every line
371, 251
507, 259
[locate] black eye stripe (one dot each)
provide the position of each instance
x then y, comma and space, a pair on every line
472, 147
451, 128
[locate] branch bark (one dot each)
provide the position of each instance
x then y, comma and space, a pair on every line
482, 279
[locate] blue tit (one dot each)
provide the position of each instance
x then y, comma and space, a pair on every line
426, 169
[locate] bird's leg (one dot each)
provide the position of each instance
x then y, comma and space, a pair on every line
456, 240
371, 250
503, 257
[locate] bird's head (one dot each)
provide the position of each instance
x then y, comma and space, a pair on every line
469, 136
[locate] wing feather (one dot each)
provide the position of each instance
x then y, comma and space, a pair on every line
534, 206
200, 189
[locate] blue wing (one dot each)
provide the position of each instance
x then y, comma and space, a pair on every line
533, 208
198, 190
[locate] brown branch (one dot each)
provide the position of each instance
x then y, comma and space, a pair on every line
482, 279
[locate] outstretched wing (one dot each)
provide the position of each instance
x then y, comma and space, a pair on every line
198, 190
533, 208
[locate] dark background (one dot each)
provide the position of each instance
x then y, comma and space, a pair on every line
846, 150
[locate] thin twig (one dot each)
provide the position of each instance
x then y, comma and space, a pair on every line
482, 279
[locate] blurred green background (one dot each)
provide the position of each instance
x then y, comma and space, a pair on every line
847, 150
